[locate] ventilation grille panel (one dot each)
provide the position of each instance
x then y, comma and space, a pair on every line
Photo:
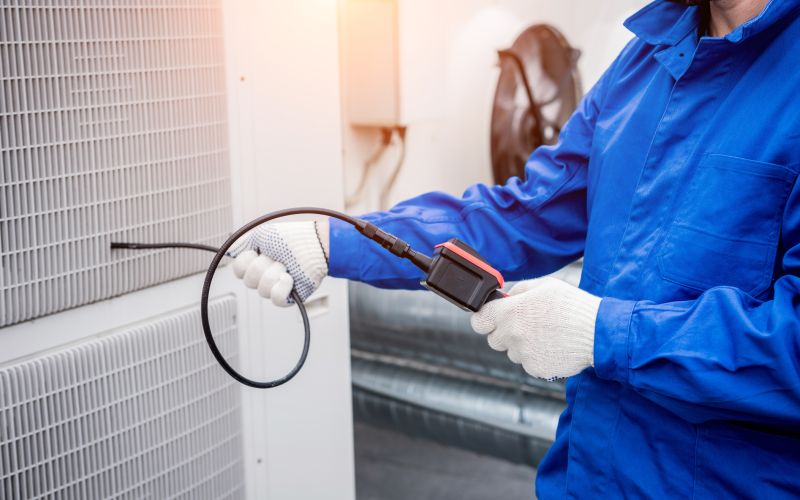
144, 413
112, 127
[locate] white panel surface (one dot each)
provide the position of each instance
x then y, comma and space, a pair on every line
140, 413
286, 149
112, 127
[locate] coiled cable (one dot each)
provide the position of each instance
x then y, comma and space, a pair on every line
390, 242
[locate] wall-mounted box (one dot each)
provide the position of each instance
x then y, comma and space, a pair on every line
370, 62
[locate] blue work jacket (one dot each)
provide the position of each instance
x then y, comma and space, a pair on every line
675, 180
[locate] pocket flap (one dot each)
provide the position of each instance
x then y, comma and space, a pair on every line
727, 225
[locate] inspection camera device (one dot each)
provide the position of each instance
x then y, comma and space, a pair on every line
455, 271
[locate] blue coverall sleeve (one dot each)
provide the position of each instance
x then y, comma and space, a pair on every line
723, 356
523, 228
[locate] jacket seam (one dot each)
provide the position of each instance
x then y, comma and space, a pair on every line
632, 203
399, 218
628, 344
554, 194
677, 196
696, 445
569, 436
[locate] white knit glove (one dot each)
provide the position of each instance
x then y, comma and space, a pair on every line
545, 324
274, 258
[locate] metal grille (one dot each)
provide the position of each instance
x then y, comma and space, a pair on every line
112, 126
143, 413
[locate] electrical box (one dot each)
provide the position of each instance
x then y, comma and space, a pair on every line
370, 59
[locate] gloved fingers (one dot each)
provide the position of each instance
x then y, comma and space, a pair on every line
269, 278
531, 370
276, 285
255, 270
281, 290
482, 323
485, 320
242, 261
514, 356
497, 341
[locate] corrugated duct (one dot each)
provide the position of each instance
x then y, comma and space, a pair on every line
419, 368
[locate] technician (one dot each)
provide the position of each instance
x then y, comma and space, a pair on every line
675, 180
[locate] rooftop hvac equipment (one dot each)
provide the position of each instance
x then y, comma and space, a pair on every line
112, 126
419, 368
483, 416
141, 413
538, 89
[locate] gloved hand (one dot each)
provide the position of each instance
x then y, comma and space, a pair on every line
545, 324
274, 258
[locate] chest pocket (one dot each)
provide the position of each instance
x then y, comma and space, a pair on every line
727, 226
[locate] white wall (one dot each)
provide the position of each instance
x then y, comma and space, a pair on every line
284, 104
448, 74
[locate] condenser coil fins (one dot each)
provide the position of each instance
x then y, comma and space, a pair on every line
140, 413
112, 127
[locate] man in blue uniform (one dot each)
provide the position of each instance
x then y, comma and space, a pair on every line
675, 180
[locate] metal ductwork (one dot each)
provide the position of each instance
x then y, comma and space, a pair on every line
418, 368
420, 326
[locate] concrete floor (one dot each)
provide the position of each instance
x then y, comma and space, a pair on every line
392, 466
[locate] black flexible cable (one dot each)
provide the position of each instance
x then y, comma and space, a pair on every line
156, 246
204, 308
395, 245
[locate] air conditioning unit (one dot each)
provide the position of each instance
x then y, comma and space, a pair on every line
162, 121
140, 413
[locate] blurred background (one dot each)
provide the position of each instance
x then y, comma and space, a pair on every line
180, 120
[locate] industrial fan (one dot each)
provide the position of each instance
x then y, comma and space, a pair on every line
537, 91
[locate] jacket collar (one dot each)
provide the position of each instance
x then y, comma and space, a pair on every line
666, 23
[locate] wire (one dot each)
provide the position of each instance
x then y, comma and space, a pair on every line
384, 198
204, 308
386, 141
155, 246
388, 241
